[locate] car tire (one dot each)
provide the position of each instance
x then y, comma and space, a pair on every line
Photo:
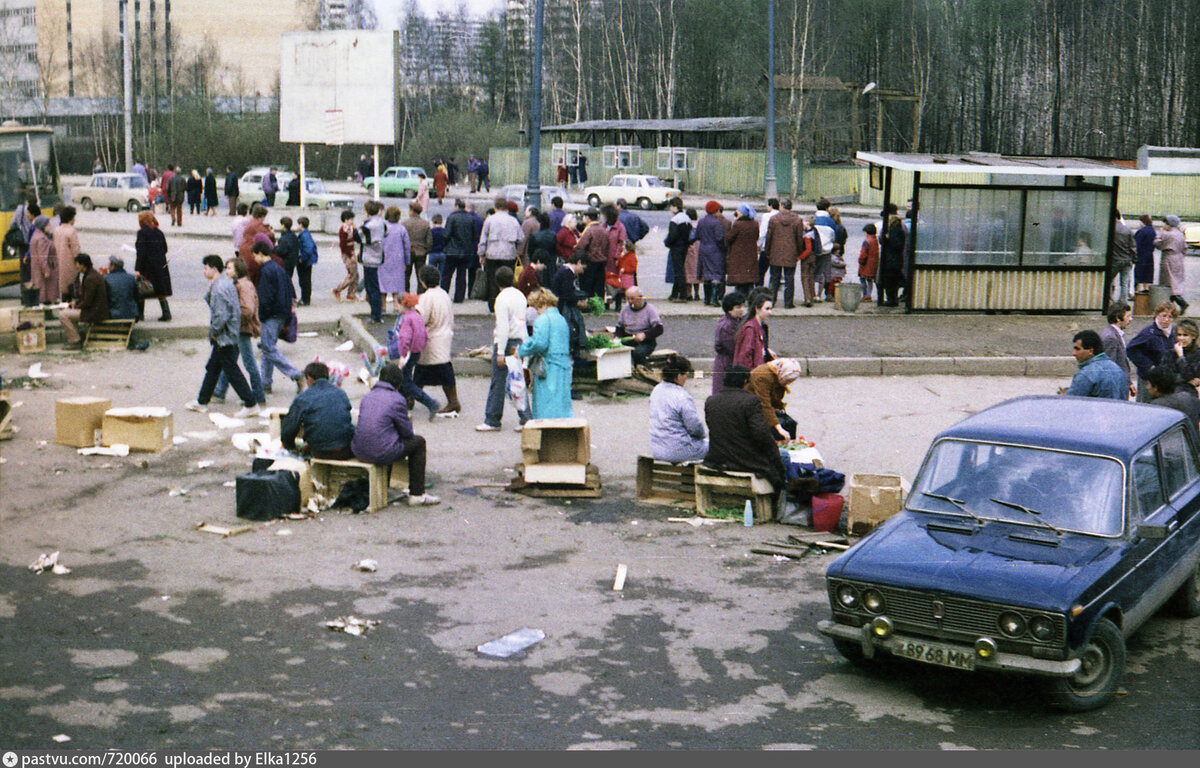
86, 204
644, 203
1186, 600
1095, 683
594, 201
133, 206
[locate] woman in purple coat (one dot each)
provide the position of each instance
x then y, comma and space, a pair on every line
710, 234
734, 305
385, 434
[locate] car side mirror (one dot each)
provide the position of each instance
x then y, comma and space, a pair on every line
1151, 532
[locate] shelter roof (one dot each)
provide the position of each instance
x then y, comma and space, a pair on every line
987, 162
684, 125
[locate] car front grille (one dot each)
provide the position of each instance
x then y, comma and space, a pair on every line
915, 611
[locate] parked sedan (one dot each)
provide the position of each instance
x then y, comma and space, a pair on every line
1039, 534
638, 189
516, 193
317, 195
250, 183
1191, 233
399, 180
113, 191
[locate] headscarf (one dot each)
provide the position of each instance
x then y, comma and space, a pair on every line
41, 222
1172, 220
146, 219
787, 369
711, 207
746, 211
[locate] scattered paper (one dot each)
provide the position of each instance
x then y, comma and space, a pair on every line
284, 532
351, 625
619, 582
177, 492
366, 566
144, 411
49, 563
35, 372
306, 334
512, 643
251, 441
225, 422
211, 434
364, 376
117, 449
205, 464
222, 530
345, 346
178, 440
230, 484
61, 738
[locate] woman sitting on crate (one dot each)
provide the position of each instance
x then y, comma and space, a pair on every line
677, 432
739, 438
385, 433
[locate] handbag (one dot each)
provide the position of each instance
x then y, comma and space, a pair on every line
288, 331
479, 289
537, 367
145, 288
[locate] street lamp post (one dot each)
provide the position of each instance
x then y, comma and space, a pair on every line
769, 186
533, 192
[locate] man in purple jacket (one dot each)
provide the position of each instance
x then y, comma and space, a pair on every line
385, 433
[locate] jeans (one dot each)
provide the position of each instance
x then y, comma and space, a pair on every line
224, 360
437, 259
1124, 284
409, 388
456, 269
374, 300
493, 410
305, 275
246, 347
868, 285
788, 276
272, 358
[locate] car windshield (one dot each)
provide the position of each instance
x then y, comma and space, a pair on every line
315, 185
136, 182
653, 181
1030, 486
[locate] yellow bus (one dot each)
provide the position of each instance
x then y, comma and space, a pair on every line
27, 164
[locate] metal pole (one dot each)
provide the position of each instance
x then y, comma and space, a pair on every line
375, 159
303, 191
127, 77
533, 193
769, 186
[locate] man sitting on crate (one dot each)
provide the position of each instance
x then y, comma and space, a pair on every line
322, 410
91, 306
639, 320
385, 433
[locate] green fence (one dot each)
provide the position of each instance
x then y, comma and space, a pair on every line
717, 171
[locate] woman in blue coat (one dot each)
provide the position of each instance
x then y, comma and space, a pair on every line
551, 341
1143, 268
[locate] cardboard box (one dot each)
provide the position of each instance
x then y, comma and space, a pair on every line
31, 340
614, 363
274, 417
556, 451
142, 429
8, 320
873, 499
78, 419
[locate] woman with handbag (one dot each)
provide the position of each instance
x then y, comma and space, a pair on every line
151, 264
548, 354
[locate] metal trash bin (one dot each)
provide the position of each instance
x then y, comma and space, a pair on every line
848, 296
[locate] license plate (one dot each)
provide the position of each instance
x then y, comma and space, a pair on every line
932, 653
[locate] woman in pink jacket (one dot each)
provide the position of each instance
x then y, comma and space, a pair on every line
405, 342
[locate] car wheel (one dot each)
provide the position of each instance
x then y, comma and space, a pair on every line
86, 204
594, 201
1186, 600
370, 189
644, 203
133, 206
1103, 666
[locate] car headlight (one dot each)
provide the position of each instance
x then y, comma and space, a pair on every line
873, 601
847, 596
1012, 624
1041, 627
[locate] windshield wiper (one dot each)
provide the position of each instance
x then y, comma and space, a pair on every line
958, 503
1036, 514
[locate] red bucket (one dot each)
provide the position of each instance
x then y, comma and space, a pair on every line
826, 511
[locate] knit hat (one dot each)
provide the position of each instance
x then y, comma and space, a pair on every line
1172, 220
746, 211
712, 206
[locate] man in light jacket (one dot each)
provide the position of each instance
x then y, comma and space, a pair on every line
509, 332
224, 324
497, 248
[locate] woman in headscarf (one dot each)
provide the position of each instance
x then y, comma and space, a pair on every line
151, 246
741, 260
769, 383
43, 261
1170, 264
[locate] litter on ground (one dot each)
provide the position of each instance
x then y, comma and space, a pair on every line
512, 643
351, 625
118, 449
49, 563
366, 566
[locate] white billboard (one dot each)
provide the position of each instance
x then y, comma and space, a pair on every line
337, 87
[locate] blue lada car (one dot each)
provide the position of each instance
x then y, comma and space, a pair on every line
1038, 535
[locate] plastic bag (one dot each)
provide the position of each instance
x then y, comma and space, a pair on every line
514, 383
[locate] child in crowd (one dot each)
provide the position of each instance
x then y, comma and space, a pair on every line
868, 261
347, 236
627, 267
691, 263
307, 260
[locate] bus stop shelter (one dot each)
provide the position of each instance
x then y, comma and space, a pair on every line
1004, 233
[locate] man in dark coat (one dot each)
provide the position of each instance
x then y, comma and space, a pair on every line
92, 306
176, 191
462, 239
739, 438
122, 291
1112, 336
232, 190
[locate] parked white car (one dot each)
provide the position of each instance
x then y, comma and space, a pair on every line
638, 189
113, 191
317, 195
516, 193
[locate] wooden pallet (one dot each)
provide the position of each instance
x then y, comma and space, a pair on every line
716, 488
333, 473
661, 482
589, 490
111, 334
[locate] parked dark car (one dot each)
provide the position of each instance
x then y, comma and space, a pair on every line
1039, 534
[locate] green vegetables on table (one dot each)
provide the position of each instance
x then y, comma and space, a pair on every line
596, 305
600, 341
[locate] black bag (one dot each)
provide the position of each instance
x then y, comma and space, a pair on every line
266, 495
355, 494
788, 423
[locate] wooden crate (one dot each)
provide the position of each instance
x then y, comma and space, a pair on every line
333, 473
111, 334
661, 482
717, 488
